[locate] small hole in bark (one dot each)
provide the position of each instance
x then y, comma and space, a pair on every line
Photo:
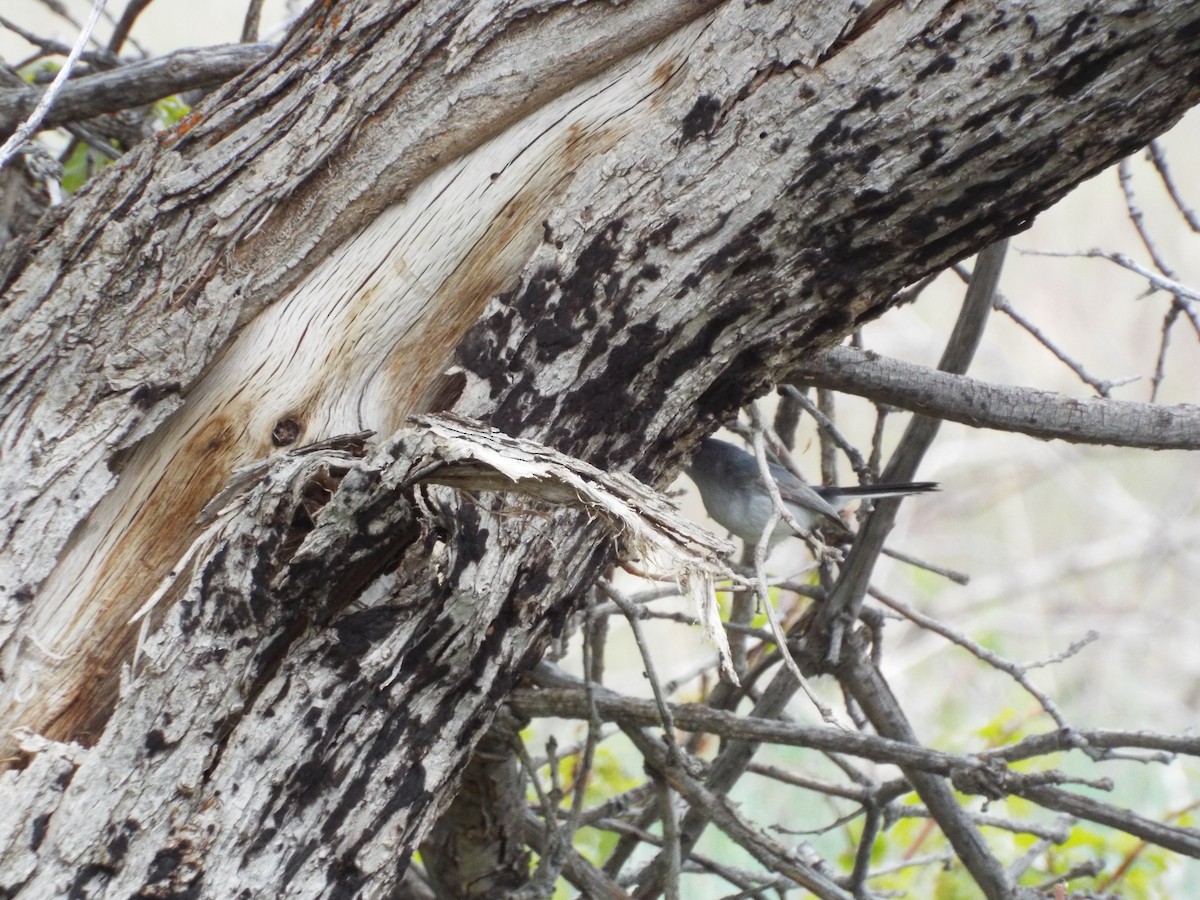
285, 432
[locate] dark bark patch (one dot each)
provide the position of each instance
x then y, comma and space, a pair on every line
298, 857
145, 396
261, 604
359, 631
164, 864
595, 269
308, 781
345, 878
744, 251
606, 397
872, 205
1000, 65
88, 881
1085, 68
554, 336
37, 831
977, 121
417, 663
481, 349
1083, 23
700, 120
941, 64
406, 792
834, 321
1188, 33
522, 406
1016, 109
469, 539
873, 99
727, 393
969, 154
118, 844
155, 742
829, 148
212, 570
818, 170
658, 236
954, 32
866, 156
936, 149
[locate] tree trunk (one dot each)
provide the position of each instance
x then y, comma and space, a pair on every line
600, 227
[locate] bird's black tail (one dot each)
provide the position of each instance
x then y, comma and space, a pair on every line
895, 489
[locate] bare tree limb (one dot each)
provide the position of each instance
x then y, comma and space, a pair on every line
1172, 837
982, 404
133, 85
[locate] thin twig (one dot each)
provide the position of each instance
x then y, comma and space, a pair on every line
1157, 281
30, 125
787, 776
578, 871
1136, 216
1071, 650
670, 850
133, 9
861, 469
660, 699
866, 843
950, 574
250, 23
1014, 671
751, 883
1125, 177
48, 47
1158, 156
1000, 303
1058, 834
760, 560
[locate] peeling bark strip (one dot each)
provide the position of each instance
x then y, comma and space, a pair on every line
635, 214
650, 531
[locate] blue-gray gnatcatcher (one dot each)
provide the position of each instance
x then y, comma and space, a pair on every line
735, 497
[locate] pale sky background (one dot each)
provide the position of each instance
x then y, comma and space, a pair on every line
1058, 539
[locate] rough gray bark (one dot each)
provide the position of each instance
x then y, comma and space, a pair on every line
627, 218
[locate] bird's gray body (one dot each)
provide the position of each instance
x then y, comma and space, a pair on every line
733, 493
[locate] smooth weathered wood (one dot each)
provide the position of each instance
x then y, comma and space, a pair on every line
617, 235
